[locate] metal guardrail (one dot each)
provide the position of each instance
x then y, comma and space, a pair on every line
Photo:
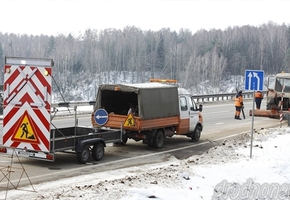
73, 103
198, 98
221, 97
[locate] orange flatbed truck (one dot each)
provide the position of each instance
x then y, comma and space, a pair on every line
148, 111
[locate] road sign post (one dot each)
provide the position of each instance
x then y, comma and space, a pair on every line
254, 80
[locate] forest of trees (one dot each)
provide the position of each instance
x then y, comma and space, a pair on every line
191, 58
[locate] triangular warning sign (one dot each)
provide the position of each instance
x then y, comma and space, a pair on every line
129, 120
25, 131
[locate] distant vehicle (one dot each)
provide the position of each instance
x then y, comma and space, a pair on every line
277, 96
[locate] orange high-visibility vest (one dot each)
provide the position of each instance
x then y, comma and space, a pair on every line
258, 95
239, 101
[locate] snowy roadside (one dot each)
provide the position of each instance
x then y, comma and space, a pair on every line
224, 172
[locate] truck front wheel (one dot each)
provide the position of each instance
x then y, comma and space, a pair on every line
84, 155
98, 151
158, 139
196, 134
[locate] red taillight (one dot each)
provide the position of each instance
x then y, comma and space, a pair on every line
49, 156
3, 150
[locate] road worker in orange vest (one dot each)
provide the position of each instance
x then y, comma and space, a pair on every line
258, 99
239, 104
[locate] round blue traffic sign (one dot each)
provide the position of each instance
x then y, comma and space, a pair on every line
101, 116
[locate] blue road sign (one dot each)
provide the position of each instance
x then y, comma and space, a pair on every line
254, 80
101, 116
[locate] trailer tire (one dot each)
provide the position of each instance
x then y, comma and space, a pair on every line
98, 152
158, 140
196, 134
84, 155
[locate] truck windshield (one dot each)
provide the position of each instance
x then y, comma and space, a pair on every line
282, 82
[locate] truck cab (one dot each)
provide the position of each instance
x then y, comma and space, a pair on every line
278, 93
190, 115
278, 97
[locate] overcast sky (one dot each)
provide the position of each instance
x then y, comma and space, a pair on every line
51, 17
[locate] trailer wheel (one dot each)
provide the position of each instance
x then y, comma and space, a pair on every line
196, 134
84, 155
158, 140
98, 151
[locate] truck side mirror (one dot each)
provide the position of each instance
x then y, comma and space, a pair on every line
200, 108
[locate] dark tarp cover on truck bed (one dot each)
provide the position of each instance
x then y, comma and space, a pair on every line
152, 100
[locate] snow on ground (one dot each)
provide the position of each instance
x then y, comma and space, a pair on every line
224, 172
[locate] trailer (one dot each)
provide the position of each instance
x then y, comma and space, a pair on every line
28, 129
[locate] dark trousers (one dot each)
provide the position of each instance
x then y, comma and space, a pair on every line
238, 111
258, 103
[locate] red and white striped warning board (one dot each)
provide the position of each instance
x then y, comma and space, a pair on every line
27, 107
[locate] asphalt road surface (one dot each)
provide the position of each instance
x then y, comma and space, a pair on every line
219, 124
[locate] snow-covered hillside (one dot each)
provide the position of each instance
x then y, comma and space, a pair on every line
86, 89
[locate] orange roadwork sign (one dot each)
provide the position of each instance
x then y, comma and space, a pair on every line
129, 120
24, 131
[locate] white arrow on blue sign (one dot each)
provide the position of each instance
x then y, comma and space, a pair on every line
254, 80
101, 116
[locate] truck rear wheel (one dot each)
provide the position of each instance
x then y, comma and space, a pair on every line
149, 141
98, 151
84, 155
124, 138
158, 140
196, 134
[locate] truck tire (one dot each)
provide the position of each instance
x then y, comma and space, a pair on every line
149, 141
124, 138
196, 134
84, 155
98, 151
158, 140
123, 141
